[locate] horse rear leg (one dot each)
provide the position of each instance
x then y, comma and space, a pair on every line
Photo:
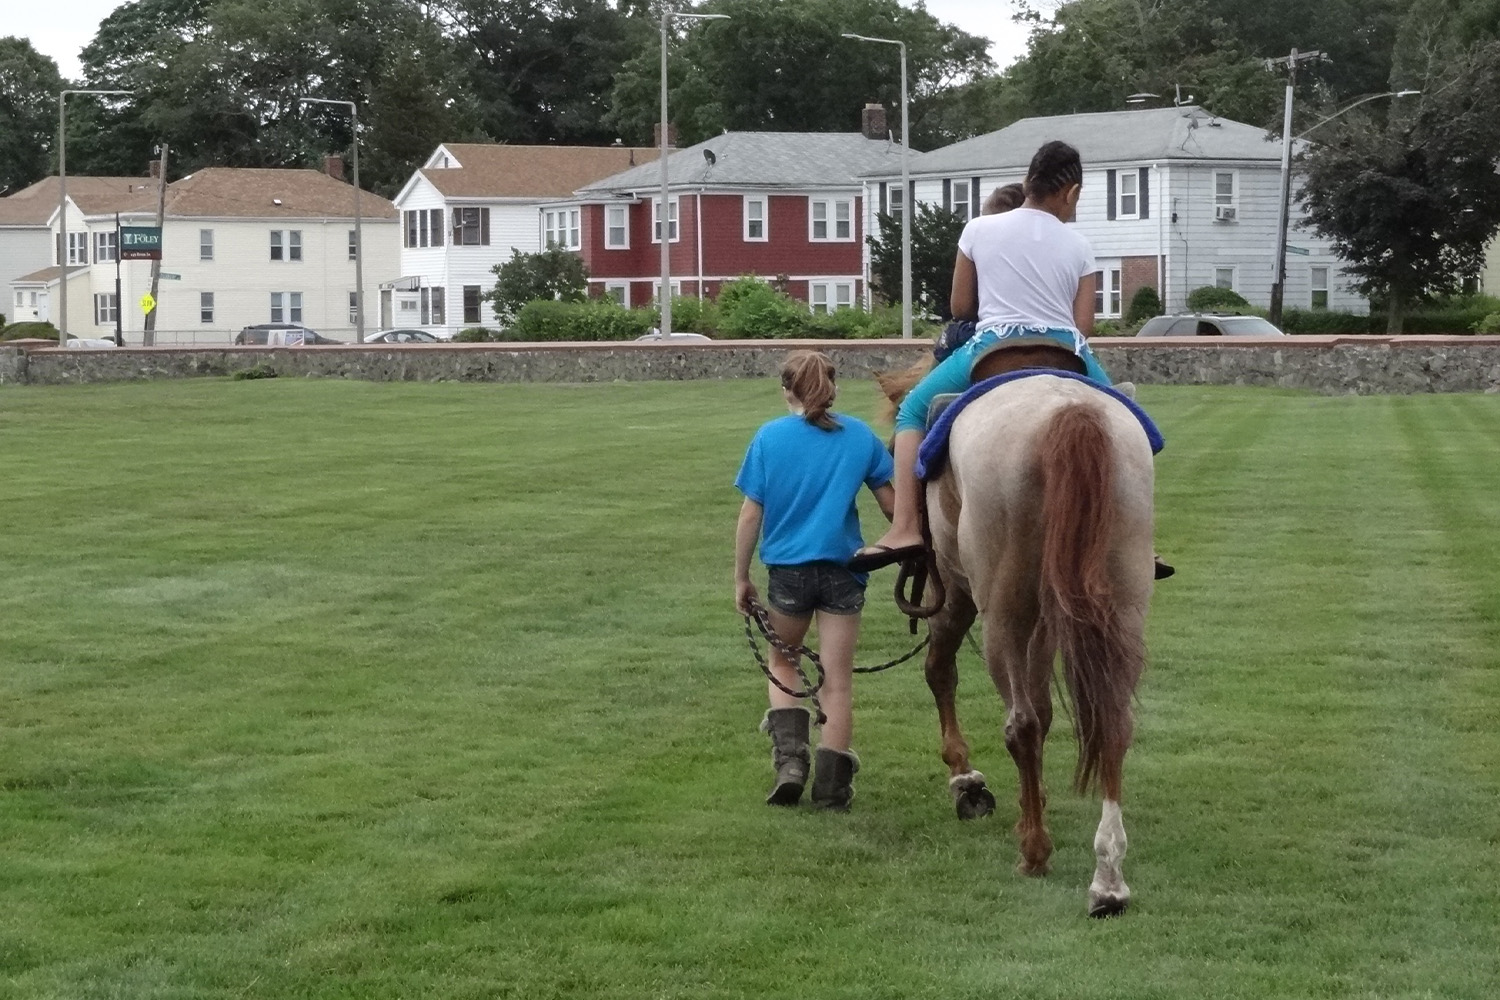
971, 798
1022, 671
1108, 893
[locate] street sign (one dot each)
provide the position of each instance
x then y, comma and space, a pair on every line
169, 276
140, 243
147, 303
1299, 251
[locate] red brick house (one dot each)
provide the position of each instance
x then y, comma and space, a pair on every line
785, 206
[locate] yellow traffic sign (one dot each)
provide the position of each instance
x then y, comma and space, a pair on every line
148, 303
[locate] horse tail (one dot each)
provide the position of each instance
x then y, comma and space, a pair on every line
895, 385
1102, 660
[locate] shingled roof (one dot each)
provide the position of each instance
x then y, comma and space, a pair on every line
269, 193
34, 205
542, 172
1152, 135
801, 160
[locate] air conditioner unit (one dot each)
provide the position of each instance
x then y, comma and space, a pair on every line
1225, 213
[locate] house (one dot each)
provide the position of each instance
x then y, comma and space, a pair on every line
1489, 278
1173, 198
472, 205
27, 238
782, 205
240, 246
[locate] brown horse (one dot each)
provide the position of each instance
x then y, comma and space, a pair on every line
1041, 520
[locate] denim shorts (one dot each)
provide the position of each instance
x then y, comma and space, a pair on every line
819, 586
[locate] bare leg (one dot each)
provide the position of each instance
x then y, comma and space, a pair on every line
837, 635
792, 631
906, 523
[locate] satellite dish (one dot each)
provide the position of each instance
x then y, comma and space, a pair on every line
708, 155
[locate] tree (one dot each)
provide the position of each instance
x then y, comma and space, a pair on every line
554, 273
934, 243
29, 85
781, 65
1411, 205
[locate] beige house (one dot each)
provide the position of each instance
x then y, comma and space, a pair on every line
1489, 278
240, 246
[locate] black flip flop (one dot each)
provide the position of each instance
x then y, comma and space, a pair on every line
865, 562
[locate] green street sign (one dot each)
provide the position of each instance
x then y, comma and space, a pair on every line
140, 243
1299, 251
169, 276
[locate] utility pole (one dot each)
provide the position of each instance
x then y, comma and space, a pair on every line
148, 337
1278, 274
119, 312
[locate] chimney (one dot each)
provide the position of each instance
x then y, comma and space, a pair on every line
153, 169
872, 123
333, 166
671, 136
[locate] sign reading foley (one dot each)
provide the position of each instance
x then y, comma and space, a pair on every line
140, 243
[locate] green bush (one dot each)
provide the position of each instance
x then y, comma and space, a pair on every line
19, 331
690, 315
1144, 304
1213, 299
553, 273
547, 320
254, 372
1115, 328
1325, 323
751, 309
1490, 324
474, 335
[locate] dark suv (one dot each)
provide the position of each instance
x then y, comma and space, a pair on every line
260, 333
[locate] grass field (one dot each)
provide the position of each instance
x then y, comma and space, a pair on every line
327, 689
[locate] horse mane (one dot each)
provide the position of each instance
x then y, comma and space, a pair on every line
895, 385
1102, 659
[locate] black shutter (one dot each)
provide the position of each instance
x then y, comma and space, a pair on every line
484, 227
947, 195
911, 200
884, 203
1110, 192
1144, 192
974, 197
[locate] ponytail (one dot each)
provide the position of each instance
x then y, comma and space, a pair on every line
808, 375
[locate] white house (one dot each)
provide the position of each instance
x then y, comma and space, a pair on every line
468, 208
240, 246
1489, 278
1174, 198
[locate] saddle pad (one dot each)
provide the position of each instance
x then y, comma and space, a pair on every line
934, 450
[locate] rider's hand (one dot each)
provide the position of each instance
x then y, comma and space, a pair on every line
744, 593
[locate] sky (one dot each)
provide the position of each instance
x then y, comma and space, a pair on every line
62, 28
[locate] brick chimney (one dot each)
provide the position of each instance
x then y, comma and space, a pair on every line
872, 122
671, 136
333, 166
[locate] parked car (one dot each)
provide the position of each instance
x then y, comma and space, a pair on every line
281, 335
1199, 325
402, 337
676, 338
90, 344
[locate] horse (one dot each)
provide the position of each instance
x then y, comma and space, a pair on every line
1041, 526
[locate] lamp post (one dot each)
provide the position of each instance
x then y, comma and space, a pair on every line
62, 209
664, 297
906, 198
359, 243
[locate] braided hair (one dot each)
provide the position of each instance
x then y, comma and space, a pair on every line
1055, 168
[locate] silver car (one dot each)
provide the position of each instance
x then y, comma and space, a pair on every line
1198, 325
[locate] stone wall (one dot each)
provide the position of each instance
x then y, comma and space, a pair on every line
1334, 365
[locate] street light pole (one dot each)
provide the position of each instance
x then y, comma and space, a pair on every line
664, 297
1278, 275
906, 198
359, 242
62, 209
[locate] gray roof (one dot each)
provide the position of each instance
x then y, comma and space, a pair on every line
1155, 134
763, 160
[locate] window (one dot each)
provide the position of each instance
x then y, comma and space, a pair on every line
616, 227
656, 220
435, 224
106, 246
619, 291
423, 227
896, 203
755, 219
960, 200
830, 220
205, 307
106, 309
353, 308
1224, 277
471, 304
286, 307
471, 227
294, 244
353, 244
1224, 188
560, 228
205, 244
78, 248
432, 307
1130, 195
1320, 288
830, 296
277, 250
411, 228
1107, 292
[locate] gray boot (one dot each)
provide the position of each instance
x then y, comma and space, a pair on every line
788, 728
833, 780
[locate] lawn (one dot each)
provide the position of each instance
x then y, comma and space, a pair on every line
338, 689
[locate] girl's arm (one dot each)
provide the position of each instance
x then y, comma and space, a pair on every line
746, 534
963, 300
886, 497
1083, 305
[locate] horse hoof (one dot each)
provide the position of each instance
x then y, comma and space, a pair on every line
1107, 904
1039, 870
970, 796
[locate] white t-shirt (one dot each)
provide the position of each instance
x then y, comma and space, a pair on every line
1029, 264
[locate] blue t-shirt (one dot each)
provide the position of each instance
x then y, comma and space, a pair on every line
806, 481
